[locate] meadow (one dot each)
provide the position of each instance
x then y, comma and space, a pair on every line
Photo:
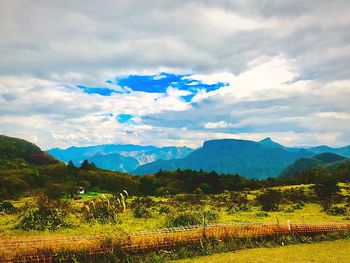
316, 252
96, 216
150, 213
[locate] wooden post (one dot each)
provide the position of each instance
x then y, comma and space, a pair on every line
288, 224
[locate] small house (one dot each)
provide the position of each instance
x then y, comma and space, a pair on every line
81, 190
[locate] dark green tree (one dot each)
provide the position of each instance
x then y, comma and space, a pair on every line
270, 199
326, 189
148, 185
85, 165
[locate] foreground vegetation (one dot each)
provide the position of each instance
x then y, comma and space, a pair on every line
102, 213
316, 252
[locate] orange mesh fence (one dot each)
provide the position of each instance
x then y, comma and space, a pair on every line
46, 249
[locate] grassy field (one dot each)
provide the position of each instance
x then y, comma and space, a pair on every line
311, 212
152, 213
331, 251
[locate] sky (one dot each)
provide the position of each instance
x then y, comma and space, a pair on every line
163, 72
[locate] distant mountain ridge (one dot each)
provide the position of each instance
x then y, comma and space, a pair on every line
343, 151
262, 159
303, 164
119, 157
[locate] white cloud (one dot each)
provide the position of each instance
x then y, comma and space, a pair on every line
287, 64
216, 125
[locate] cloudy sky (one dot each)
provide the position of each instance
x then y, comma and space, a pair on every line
175, 72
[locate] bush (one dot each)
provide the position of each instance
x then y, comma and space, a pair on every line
144, 201
211, 216
46, 214
288, 209
141, 211
164, 210
184, 219
102, 210
337, 210
298, 206
191, 218
262, 214
7, 207
270, 199
238, 202
193, 199
295, 196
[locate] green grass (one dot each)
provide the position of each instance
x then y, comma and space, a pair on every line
311, 212
325, 252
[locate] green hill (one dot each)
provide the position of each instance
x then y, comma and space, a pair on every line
16, 152
25, 167
340, 169
303, 164
327, 157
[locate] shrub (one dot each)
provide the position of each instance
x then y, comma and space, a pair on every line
270, 199
262, 214
141, 211
297, 206
184, 219
295, 195
189, 198
7, 207
145, 201
337, 210
326, 187
102, 210
53, 190
191, 218
211, 216
238, 202
164, 210
288, 209
46, 214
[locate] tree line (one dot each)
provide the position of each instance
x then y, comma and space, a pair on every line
59, 178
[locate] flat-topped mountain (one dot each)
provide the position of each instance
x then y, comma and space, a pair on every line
247, 158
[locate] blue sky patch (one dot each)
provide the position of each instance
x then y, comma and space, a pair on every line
160, 83
96, 90
123, 118
156, 84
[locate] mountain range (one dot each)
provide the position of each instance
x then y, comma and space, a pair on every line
251, 159
25, 168
118, 157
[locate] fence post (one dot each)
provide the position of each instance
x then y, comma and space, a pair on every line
288, 224
204, 234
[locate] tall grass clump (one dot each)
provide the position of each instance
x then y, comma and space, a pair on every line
191, 218
45, 214
141, 211
103, 210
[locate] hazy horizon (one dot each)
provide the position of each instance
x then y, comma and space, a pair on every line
193, 147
